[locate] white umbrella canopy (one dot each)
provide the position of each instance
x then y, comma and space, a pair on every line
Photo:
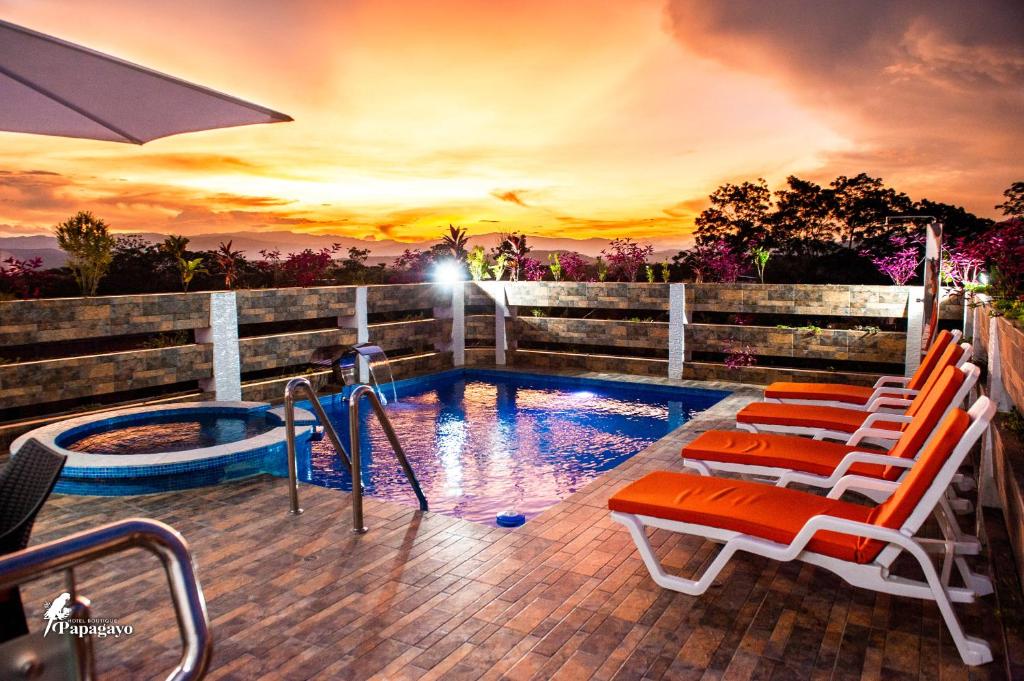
52, 87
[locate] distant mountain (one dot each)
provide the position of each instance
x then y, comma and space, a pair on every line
251, 243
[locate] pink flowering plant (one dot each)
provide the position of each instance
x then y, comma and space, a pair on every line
21, 278
900, 262
714, 260
626, 257
737, 356
531, 269
574, 266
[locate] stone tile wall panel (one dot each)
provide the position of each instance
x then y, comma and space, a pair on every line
258, 306
89, 376
23, 322
259, 353
603, 332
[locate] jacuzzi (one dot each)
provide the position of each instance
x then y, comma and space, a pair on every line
161, 448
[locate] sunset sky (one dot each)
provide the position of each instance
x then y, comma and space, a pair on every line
559, 118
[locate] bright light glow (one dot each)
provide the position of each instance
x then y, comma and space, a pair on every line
447, 272
983, 278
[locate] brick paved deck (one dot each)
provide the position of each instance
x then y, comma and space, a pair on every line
425, 596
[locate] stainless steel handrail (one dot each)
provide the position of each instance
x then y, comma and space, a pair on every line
303, 385
385, 424
351, 456
160, 539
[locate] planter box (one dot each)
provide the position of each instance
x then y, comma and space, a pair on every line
770, 341
600, 332
256, 306
23, 322
259, 353
53, 380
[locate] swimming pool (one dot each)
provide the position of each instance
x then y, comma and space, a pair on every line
175, 431
484, 441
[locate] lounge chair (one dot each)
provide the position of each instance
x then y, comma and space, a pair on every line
839, 423
25, 484
794, 459
842, 395
858, 543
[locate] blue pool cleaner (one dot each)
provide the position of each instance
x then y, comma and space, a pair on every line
510, 519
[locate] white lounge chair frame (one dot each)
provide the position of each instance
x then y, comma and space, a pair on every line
875, 575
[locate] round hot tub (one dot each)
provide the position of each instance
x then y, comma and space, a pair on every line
160, 448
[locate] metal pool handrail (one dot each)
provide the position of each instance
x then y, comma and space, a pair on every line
351, 457
303, 385
396, 446
158, 538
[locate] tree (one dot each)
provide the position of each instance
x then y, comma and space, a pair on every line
739, 213
89, 245
456, 241
803, 222
1013, 207
956, 222
861, 204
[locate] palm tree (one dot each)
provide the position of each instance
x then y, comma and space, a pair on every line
456, 241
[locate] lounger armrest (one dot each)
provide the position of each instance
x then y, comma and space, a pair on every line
890, 394
849, 460
882, 402
863, 433
892, 381
828, 523
866, 457
872, 419
861, 483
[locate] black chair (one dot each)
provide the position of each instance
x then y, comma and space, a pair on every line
25, 484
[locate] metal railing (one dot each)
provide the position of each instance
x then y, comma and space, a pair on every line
352, 456
303, 385
63, 555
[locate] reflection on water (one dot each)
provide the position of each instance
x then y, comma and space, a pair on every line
173, 433
485, 443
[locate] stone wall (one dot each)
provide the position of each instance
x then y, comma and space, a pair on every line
102, 371
1000, 343
29, 383
24, 322
837, 344
257, 306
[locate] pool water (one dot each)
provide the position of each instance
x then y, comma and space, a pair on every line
173, 433
482, 442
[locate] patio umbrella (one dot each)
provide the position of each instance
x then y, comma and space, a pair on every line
52, 87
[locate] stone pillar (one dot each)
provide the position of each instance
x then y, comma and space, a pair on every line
222, 333
501, 313
915, 328
358, 321
459, 324
676, 329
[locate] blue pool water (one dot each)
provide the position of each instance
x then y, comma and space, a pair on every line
482, 441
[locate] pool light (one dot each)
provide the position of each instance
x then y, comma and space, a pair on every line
448, 272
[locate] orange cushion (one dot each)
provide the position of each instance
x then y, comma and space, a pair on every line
802, 415
950, 356
931, 358
781, 451
837, 392
773, 513
895, 510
